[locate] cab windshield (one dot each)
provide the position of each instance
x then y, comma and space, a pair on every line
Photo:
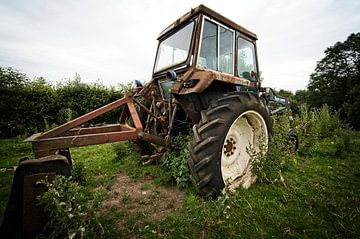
174, 49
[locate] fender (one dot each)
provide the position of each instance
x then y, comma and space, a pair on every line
197, 80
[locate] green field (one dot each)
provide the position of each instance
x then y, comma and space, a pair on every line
319, 197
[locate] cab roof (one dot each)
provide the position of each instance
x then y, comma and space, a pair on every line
211, 13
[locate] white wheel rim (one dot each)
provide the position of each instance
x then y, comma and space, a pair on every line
248, 130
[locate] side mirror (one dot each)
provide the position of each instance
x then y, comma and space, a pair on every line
137, 85
171, 75
254, 74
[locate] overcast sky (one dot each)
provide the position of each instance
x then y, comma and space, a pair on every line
115, 40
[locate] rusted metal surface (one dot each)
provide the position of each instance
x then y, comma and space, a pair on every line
34, 216
82, 119
71, 135
189, 69
153, 139
190, 89
83, 140
206, 77
203, 9
23, 217
143, 107
191, 104
94, 130
134, 116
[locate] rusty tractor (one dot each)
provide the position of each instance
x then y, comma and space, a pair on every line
205, 77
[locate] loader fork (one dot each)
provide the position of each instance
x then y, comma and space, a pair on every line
72, 134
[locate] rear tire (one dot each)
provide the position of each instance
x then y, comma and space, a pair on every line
293, 140
218, 156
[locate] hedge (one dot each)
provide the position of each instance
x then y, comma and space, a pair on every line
29, 106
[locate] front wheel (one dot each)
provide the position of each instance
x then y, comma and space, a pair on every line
227, 130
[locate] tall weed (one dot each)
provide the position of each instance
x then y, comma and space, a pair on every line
78, 173
175, 161
322, 133
123, 149
71, 209
269, 161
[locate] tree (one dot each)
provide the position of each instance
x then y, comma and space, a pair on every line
301, 97
336, 80
13, 88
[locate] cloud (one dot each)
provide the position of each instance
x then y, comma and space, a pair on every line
116, 40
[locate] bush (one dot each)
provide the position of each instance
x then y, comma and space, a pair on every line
29, 106
175, 161
78, 173
322, 133
71, 209
25, 106
75, 98
122, 149
268, 164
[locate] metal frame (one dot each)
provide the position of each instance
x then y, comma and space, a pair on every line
71, 134
188, 59
218, 25
244, 37
203, 9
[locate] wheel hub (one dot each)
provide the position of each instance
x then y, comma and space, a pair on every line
229, 147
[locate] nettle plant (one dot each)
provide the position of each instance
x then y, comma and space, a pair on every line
322, 133
71, 210
268, 162
175, 161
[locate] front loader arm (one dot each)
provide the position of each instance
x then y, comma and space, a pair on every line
71, 134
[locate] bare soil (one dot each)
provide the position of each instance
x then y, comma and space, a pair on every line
142, 199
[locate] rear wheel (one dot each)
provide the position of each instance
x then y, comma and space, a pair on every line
293, 140
218, 153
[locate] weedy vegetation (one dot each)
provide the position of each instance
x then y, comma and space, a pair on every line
72, 210
270, 160
313, 193
175, 162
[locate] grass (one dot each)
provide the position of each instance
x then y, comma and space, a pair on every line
319, 198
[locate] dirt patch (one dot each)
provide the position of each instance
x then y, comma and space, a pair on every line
142, 200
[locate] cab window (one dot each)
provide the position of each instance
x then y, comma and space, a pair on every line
226, 56
208, 51
217, 48
246, 63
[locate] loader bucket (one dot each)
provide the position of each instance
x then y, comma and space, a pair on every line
23, 217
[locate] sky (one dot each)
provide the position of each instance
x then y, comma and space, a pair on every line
115, 40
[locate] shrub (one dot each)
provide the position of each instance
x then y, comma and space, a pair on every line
71, 210
123, 149
325, 123
78, 173
75, 98
28, 106
25, 105
321, 132
175, 161
268, 164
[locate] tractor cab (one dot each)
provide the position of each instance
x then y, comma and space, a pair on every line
203, 48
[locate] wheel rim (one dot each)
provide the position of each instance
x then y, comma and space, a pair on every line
248, 130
